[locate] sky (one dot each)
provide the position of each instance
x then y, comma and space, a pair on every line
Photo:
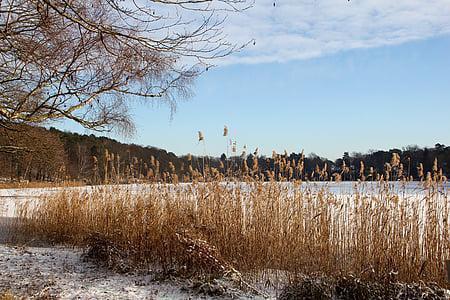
323, 76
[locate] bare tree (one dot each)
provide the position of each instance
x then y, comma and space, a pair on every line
82, 160
43, 159
84, 60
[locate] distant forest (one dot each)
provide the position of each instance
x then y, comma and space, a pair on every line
40, 154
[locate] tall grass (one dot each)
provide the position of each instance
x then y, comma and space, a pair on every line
377, 233
39, 184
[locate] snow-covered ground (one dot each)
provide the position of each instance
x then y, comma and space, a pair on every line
61, 273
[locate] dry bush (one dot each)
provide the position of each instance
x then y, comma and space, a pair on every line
377, 233
345, 288
7, 295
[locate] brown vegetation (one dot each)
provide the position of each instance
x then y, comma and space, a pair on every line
258, 228
39, 155
39, 184
7, 295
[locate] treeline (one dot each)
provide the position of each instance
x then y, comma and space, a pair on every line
39, 154
31, 153
104, 160
411, 163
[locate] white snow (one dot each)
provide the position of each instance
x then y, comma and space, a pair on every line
61, 273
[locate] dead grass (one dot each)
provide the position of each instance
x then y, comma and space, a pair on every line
260, 228
7, 295
324, 288
39, 184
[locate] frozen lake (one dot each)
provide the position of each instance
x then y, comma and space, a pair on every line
10, 198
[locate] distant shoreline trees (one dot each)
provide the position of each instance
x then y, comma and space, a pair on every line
55, 155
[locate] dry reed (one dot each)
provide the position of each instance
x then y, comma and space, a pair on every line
39, 184
376, 233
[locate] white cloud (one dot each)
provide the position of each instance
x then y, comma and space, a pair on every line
301, 29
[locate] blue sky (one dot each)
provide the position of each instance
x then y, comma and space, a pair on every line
374, 90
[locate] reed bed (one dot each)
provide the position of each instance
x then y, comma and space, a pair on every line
376, 233
39, 184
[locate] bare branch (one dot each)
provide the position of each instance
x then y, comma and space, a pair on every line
85, 60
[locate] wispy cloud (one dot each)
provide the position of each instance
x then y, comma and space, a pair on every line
302, 29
